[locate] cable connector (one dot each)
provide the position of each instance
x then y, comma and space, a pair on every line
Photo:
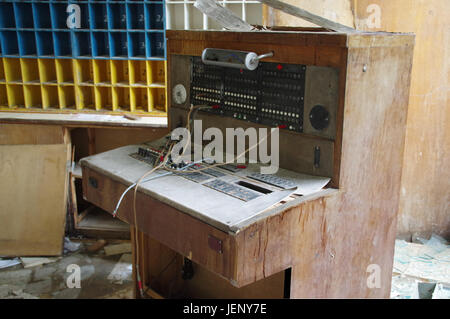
141, 289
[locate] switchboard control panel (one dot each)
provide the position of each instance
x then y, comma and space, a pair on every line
232, 190
241, 181
271, 95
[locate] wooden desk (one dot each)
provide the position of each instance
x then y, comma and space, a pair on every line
327, 241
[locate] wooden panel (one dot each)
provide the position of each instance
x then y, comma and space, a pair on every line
180, 232
33, 192
338, 11
330, 242
105, 139
261, 38
12, 134
308, 54
425, 196
359, 228
321, 88
162, 267
267, 248
97, 223
108, 139
81, 120
180, 71
207, 285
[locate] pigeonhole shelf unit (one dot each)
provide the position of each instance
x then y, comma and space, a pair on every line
83, 56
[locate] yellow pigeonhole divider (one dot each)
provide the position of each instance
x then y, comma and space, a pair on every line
83, 85
3, 94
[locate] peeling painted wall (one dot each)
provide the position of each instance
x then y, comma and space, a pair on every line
425, 192
336, 10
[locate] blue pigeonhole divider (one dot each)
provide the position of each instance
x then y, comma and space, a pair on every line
128, 30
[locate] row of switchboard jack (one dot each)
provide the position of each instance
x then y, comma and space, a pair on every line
83, 85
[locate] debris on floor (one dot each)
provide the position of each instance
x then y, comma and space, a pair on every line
12, 292
122, 270
126, 293
441, 292
42, 277
111, 250
69, 246
96, 246
5, 263
421, 271
28, 262
404, 288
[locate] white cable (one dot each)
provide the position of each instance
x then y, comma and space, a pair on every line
147, 180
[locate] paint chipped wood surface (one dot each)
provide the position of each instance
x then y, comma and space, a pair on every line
33, 191
78, 120
328, 242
